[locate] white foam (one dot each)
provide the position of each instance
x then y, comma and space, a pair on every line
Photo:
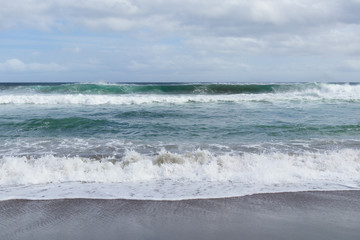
198, 174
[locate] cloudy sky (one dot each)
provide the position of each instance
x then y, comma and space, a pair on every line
180, 40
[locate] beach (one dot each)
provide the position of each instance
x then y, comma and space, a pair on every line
297, 215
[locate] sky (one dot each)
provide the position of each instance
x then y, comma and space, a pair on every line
179, 41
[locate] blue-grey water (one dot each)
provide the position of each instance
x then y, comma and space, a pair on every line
299, 132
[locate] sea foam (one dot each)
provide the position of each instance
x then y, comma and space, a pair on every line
177, 176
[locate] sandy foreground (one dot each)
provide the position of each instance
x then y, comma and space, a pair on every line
301, 215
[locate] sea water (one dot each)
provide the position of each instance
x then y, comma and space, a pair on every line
177, 141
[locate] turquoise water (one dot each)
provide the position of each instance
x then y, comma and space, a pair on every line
266, 114
98, 122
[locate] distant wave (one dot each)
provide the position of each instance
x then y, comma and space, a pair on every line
153, 88
95, 94
82, 88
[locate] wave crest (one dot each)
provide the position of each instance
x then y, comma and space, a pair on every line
184, 94
200, 165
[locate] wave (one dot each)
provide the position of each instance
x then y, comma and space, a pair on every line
174, 176
97, 94
89, 126
153, 88
276, 168
163, 88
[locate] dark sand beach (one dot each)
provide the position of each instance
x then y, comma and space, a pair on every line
300, 215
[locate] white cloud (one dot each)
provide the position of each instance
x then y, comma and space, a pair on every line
201, 15
251, 25
339, 39
16, 65
228, 36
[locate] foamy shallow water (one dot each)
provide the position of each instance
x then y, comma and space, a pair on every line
157, 190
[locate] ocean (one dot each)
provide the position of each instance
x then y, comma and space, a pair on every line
172, 141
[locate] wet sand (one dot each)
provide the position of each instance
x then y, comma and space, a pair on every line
301, 215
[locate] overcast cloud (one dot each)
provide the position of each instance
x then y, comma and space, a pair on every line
173, 40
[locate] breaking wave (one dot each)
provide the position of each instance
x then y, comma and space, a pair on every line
175, 88
341, 166
95, 94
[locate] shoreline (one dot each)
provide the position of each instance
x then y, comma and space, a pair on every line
184, 199
288, 215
